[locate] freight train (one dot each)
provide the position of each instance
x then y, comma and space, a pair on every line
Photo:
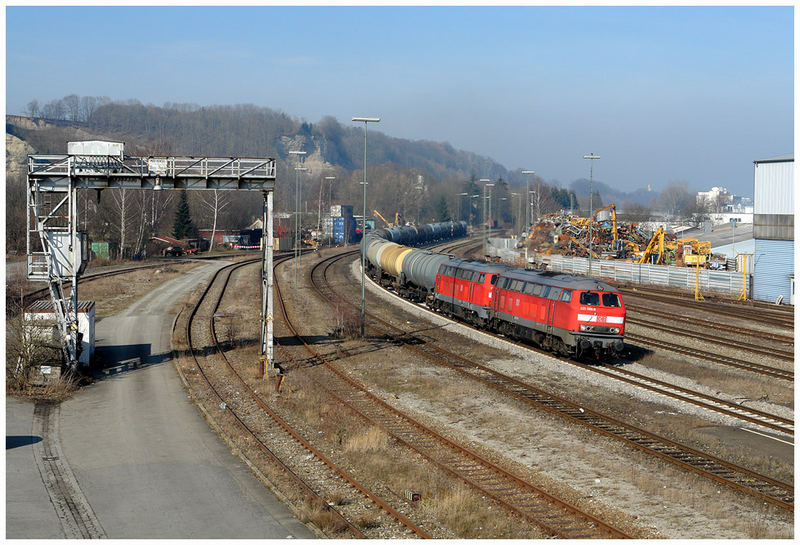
571, 315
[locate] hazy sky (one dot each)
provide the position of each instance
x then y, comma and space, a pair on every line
661, 94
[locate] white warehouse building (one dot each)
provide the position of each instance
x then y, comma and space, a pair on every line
773, 229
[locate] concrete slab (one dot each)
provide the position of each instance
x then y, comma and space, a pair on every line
143, 457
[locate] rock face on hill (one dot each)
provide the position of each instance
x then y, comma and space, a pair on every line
17, 151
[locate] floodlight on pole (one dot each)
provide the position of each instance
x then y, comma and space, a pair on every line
460, 197
528, 197
485, 220
365, 120
517, 215
592, 157
298, 155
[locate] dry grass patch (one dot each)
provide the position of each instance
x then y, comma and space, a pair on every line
114, 294
320, 514
736, 383
372, 440
469, 515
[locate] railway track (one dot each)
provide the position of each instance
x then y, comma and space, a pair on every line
728, 408
253, 424
662, 314
35, 295
551, 514
739, 478
775, 353
715, 358
716, 404
761, 315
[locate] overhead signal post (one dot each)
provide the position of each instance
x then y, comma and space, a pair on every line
366, 121
52, 216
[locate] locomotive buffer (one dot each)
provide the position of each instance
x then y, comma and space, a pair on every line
57, 253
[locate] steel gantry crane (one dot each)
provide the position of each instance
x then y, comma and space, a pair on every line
57, 252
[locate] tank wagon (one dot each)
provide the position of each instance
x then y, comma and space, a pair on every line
568, 314
387, 249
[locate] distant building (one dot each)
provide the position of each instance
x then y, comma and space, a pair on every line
773, 229
716, 199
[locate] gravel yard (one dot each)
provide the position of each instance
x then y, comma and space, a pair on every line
640, 494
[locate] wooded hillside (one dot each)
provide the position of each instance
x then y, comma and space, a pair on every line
423, 181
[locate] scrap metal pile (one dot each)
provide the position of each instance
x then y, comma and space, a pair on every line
565, 234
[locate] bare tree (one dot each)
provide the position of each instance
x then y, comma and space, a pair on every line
72, 103
33, 108
215, 202
54, 109
159, 203
124, 209
675, 198
88, 106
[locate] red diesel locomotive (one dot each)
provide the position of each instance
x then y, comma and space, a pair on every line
569, 314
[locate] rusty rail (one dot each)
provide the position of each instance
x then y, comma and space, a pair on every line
739, 478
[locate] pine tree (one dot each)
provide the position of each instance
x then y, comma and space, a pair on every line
182, 227
441, 208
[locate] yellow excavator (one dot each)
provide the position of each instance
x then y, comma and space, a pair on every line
614, 243
694, 252
388, 224
656, 243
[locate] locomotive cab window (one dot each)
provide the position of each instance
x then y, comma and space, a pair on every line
611, 300
590, 298
481, 278
494, 280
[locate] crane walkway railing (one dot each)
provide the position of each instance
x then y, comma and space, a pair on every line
101, 171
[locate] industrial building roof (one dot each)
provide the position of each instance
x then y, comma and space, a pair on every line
44, 305
786, 157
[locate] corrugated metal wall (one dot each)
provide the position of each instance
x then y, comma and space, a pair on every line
774, 190
773, 263
728, 282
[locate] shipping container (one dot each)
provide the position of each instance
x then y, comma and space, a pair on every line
96, 147
341, 210
104, 250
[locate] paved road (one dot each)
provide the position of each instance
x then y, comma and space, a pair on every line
142, 461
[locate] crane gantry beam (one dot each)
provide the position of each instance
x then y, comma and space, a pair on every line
55, 248
59, 172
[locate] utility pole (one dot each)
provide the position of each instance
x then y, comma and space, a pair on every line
297, 252
366, 121
485, 220
592, 157
528, 197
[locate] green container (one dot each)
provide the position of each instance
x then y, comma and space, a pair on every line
100, 250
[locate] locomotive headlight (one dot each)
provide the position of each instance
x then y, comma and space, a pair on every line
585, 327
614, 330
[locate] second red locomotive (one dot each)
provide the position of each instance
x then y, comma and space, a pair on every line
572, 315
569, 314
